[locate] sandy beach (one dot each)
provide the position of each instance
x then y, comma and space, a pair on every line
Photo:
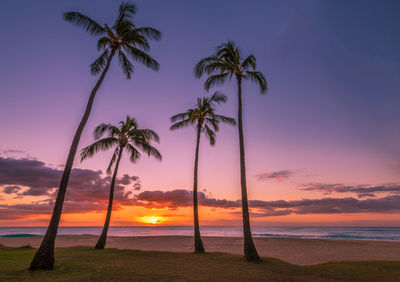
297, 251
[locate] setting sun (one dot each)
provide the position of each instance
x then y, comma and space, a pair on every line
151, 219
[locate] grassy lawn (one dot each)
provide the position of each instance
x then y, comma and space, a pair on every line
84, 263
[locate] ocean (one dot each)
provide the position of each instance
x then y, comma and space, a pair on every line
359, 233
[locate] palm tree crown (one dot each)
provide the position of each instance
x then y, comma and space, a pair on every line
126, 137
226, 62
203, 116
122, 37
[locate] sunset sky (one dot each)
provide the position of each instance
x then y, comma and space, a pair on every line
323, 146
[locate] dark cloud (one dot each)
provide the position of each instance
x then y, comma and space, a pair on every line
88, 191
41, 180
11, 189
179, 198
362, 191
31, 173
183, 198
275, 175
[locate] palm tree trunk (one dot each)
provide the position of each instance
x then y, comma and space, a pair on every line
250, 250
198, 244
103, 237
44, 257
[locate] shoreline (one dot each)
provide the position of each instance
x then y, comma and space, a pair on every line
301, 251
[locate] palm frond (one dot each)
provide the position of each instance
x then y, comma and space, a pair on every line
85, 22
214, 123
126, 11
147, 135
142, 57
218, 97
180, 116
149, 150
225, 119
113, 159
200, 67
100, 129
99, 64
109, 31
100, 145
103, 43
130, 123
249, 61
257, 77
135, 39
228, 51
219, 66
126, 65
124, 27
134, 153
214, 80
210, 134
149, 32
180, 124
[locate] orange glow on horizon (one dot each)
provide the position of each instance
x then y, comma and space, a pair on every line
154, 220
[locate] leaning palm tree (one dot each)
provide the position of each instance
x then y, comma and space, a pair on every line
207, 122
224, 64
125, 39
126, 137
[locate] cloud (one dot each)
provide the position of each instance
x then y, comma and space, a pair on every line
88, 191
183, 198
11, 189
175, 199
362, 191
23, 211
11, 151
179, 198
275, 175
42, 180
31, 173
332, 206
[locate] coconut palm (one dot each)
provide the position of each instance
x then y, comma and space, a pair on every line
126, 40
126, 137
205, 120
225, 63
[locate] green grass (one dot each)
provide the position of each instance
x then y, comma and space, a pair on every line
84, 263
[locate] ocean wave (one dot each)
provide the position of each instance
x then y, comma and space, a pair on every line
327, 236
19, 235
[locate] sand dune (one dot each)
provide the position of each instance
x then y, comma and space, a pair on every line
297, 251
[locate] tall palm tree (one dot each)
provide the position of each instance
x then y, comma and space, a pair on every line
126, 137
225, 63
125, 39
207, 122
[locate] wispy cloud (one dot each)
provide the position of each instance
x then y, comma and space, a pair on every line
275, 175
361, 191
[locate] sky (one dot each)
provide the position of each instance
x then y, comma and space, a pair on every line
322, 146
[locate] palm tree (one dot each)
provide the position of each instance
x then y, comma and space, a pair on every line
122, 37
126, 137
207, 122
226, 62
